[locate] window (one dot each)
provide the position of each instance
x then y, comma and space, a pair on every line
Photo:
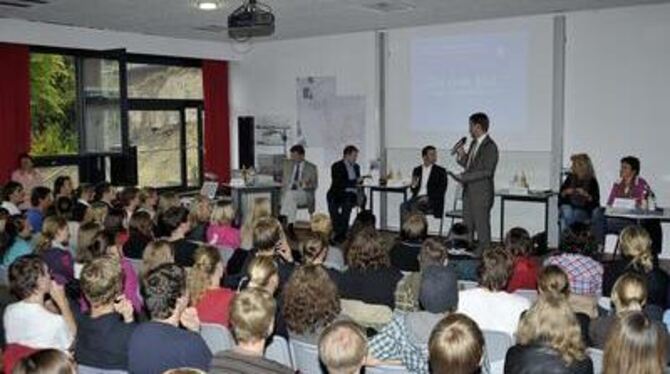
150, 81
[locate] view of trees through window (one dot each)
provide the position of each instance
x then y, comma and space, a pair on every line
52, 105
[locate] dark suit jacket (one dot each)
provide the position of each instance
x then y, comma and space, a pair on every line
478, 177
340, 181
437, 186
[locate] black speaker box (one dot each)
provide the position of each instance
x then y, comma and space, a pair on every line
245, 142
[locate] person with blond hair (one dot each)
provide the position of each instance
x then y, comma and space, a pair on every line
52, 247
579, 195
260, 208
46, 361
221, 231
343, 348
321, 225
199, 216
252, 321
405, 253
157, 253
637, 257
456, 346
635, 345
211, 300
549, 339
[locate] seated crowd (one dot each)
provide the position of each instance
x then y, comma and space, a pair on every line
101, 280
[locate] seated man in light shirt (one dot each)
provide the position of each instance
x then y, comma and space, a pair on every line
299, 183
429, 183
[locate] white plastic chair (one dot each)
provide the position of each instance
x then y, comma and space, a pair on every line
596, 356
497, 344
217, 337
386, 369
279, 351
83, 369
305, 357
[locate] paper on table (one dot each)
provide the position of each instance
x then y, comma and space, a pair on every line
621, 203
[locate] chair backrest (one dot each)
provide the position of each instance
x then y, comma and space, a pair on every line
305, 357
597, 359
367, 315
386, 369
278, 351
83, 369
497, 344
530, 295
217, 337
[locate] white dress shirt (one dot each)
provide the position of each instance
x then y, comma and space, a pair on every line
425, 174
473, 153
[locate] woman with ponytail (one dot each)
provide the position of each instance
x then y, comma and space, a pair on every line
204, 279
52, 247
637, 257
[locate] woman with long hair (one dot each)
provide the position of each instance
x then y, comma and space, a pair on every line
210, 300
140, 233
549, 336
198, 215
52, 247
637, 257
579, 195
635, 345
157, 253
261, 208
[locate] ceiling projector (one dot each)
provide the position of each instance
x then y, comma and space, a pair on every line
252, 19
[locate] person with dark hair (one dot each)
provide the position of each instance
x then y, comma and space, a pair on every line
433, 253
40, 201
479, 163
525, 270
63, 187
344, 193
46, 361
175, 222
104, 192
30, 322
429, 183
26, 174
405, 252
140, 234
63, 207
160, 344
299, 183
12, 197
83, 199
18, 240
130, 201
489, 304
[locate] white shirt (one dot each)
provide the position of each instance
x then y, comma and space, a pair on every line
34, 326
473, 154
495, 311
425, 174
11, 208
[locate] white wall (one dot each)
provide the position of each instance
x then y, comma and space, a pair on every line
264, 83
617, 93
43, 34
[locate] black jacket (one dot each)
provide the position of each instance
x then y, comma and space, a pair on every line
134, 247
370, 286
340, 181
576, 201
658, 281
539, 359
436, 187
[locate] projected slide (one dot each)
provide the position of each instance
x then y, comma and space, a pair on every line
454, 76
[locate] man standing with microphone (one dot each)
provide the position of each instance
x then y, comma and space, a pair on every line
479, 162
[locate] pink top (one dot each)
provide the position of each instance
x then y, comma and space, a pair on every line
223, 235
214, 306
28, 180
638, 191
131, 288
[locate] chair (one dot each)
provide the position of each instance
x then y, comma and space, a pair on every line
305, 357
278, 351
83, 369
217, 337
497, 344
367, 315
386, 369
456, 211
596, 356
530, 295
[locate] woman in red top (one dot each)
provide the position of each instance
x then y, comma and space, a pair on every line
524, 273
211, 300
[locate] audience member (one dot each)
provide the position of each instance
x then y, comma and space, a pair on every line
129, 199
477, 302
343, 348
310, 303
149, 201
104, 193
103, 335
166, 200
549, 339
199, 216
315, 250
40, 201
12, 197
637, 257
406, 336
260, 208
176, 223
157, 253
370, 277
160, 344
432, 253
456, 346
405, 253
26, 174
114, 226
96, 213
31, 321
321, 225
262, 273
252, 319
17, 242
63, 187
635, 345
140, 234
83, 199
221, 231
211, 301
52, 247
525, 268
579, 195
47, 361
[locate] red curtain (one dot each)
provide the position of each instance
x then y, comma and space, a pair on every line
217, 119
14, 106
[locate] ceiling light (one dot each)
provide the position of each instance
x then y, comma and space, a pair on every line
207, 4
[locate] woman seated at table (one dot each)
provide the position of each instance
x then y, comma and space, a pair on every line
580, 193
631, 186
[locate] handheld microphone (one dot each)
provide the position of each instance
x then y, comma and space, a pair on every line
458, 145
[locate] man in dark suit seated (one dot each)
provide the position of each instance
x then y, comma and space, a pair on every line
343, 194
429, 183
